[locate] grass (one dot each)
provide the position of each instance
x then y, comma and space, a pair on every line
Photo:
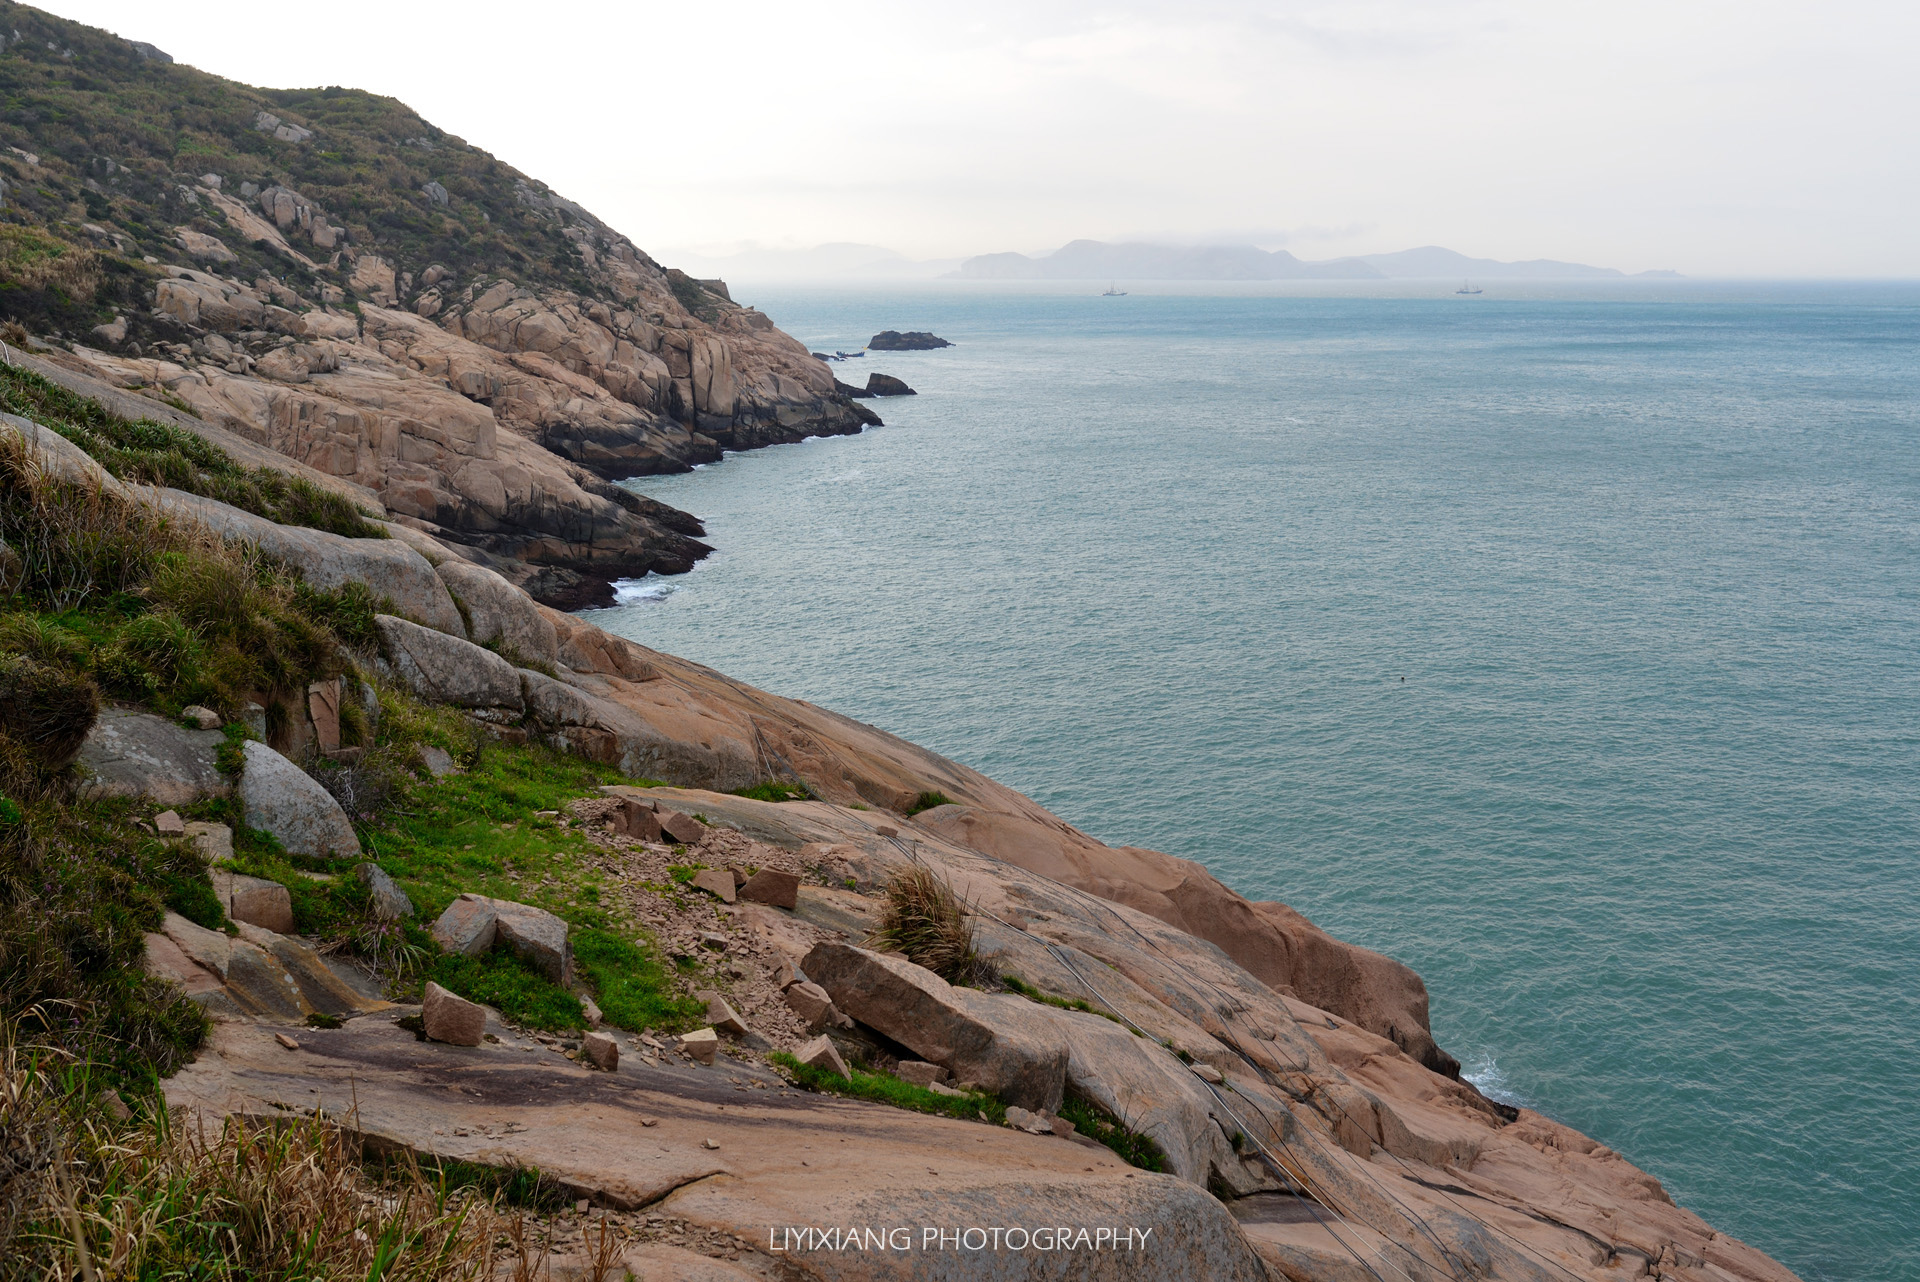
89, 1197
1032, 994
924, 920
882, 1088
1096, 1123
927, 801
518, 991
150, 452
773, 790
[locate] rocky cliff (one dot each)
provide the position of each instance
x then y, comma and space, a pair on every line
325, 273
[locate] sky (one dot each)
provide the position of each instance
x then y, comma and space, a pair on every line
1755, 138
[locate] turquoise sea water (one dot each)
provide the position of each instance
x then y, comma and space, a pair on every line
1560, 642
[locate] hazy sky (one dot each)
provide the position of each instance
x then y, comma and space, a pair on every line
1739, 137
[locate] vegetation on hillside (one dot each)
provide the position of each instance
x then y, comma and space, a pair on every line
93, 130
103, 598
148, 452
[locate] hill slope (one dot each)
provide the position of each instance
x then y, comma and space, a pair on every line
324, 272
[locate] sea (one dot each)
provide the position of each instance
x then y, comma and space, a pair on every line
1562, 641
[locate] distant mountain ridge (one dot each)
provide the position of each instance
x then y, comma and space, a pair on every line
1099, 260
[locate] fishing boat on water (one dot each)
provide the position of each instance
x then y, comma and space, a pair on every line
1468, 287
1114, 291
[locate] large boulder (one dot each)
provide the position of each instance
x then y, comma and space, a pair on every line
281, 798
887, 385
1006, 1044
500, 614
1142, 1082
388, 567
136, 754
442, 668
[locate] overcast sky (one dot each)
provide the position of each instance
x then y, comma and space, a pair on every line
1745, 138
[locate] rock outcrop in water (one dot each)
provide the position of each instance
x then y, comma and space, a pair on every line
892, 340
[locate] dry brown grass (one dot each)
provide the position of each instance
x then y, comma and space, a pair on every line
84, 1197
925, 920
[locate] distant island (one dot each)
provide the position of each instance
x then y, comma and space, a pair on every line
1098, 260
892, 340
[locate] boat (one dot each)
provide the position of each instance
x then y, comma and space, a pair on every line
1468, 287
1114, 291
847, 356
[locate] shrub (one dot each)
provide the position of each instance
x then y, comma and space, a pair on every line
924, 920
45, 710
154, 654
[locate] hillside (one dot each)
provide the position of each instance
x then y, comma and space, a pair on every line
325, 273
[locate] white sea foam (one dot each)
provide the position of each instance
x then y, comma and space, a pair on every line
638, 591
1483, 1070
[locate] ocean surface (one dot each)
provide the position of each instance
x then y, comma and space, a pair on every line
1561, 642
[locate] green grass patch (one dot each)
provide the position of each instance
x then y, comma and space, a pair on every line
927, 801
775, 791
882, 1088
518, 991
1096, 1123
1032, 994
631, 984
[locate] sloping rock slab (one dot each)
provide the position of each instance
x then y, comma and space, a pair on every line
136, 754
1142, 1082
388, 567
61, 458
444, 669
1004, 1043
867, 1164
501, 612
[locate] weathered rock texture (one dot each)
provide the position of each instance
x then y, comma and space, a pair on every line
281, 798
489, 413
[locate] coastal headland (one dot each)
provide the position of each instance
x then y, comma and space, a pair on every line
819, 1003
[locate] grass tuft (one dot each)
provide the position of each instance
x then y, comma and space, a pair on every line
925, 920
927, 801
1096, 1123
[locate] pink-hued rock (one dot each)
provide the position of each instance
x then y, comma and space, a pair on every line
820, 1053
715, 881
602, 1051
773, 887
684, 829
450, 1019
254, 900
1002, 1042
919, 1072
468, 926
